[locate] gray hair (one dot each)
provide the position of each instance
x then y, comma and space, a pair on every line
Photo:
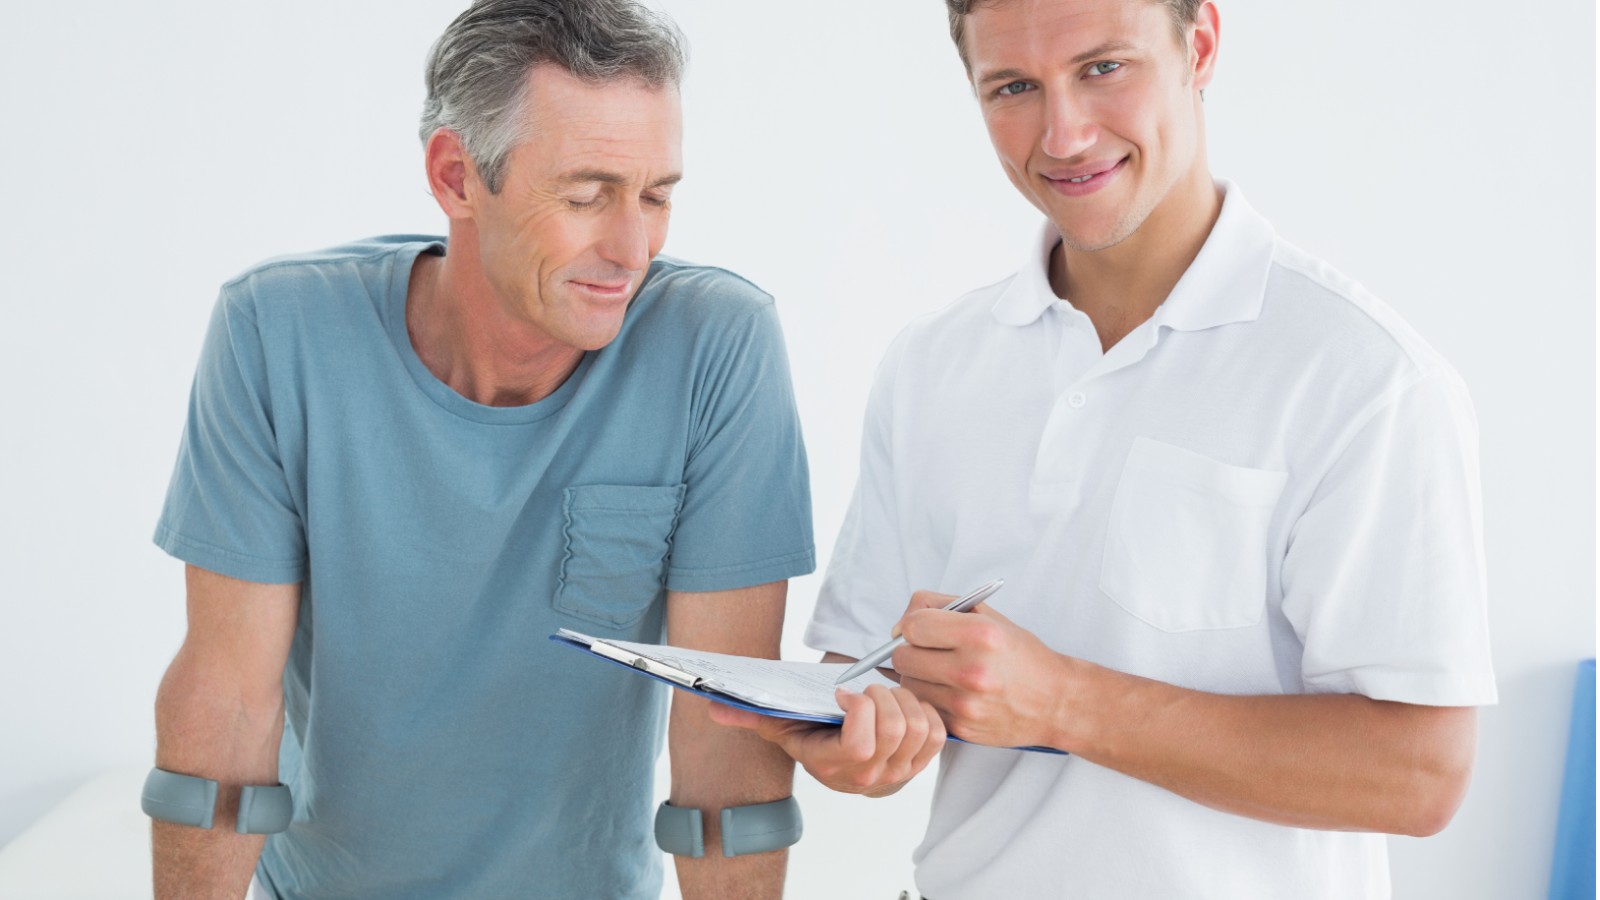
477, 73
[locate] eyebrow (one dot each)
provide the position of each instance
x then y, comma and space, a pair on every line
601, 176
1104, 49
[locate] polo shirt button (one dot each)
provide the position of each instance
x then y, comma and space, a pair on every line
1076, 400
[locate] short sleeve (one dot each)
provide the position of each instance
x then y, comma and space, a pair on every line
866, 587
229, 508
1384, 575
746, 514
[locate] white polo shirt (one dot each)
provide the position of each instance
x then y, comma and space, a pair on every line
1270, 487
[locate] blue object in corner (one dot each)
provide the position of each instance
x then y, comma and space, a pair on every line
1572, 871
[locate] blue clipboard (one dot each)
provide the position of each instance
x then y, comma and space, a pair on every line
689, 684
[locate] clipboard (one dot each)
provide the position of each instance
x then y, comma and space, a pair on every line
675, 677
637, 659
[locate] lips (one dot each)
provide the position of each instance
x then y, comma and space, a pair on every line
1076, 181
604, 288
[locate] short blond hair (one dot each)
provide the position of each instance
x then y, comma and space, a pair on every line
1183, 15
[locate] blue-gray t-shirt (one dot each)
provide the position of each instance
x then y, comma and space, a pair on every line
438, 744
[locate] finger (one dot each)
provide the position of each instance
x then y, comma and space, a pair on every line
939, 696
921, 600
934, 742
857, 737
923, 664
891, 722
915, 717
940, 629
800, 739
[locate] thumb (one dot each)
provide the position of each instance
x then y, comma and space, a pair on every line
732, 716
769, 728
921, 600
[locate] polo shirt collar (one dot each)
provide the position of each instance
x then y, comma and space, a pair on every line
1028, 294
1225, 283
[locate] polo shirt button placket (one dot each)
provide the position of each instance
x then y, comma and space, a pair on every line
1055, 485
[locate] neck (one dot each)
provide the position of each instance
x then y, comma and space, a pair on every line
466, 335
1121, 286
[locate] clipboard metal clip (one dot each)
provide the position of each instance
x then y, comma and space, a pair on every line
646, 664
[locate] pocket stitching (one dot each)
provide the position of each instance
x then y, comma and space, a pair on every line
563, 602
1150, 463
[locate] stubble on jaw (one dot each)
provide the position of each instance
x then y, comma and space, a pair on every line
1128, 222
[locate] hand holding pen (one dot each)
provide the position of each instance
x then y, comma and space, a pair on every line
877, 657
992, 681
888, 735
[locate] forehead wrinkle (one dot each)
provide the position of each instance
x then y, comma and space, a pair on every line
611, 157
636, 131
583, 176
590, 175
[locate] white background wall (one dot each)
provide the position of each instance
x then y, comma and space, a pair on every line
1443, 154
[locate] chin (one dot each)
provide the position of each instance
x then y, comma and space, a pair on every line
1089, 240
597, 336
1087, 234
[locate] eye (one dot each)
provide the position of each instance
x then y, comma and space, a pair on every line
1013, 88
1103, 68
656, 201
583, 204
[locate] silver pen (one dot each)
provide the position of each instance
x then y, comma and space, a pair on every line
960, 604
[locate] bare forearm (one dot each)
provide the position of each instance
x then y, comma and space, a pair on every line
758, 876
713, 767
1336, 762
211, 734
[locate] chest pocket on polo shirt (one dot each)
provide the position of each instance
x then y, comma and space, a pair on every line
617, 538
1186, 549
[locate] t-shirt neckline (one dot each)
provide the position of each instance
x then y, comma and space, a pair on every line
443, 395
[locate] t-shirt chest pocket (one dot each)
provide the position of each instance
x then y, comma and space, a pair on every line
617, 541
1186, 547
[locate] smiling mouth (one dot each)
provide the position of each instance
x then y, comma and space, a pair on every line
1079, 182
600, 288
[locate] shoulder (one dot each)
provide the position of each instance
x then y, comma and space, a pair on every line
958, 326
1308, 299
700, 312
362, 268
696, 293
1349, 356
964, 328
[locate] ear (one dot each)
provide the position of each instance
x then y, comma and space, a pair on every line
452, 178
1203, 45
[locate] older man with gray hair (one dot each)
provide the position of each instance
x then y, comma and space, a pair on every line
409, 460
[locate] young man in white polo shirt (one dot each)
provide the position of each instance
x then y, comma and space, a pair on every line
1234, 497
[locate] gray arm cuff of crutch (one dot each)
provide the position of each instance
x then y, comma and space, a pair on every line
678, 831
192, 800
760, 827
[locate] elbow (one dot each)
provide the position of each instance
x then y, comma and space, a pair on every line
1440, 784
1434, 808
1429, 820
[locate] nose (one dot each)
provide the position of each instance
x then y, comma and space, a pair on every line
1068, 129
626, 242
